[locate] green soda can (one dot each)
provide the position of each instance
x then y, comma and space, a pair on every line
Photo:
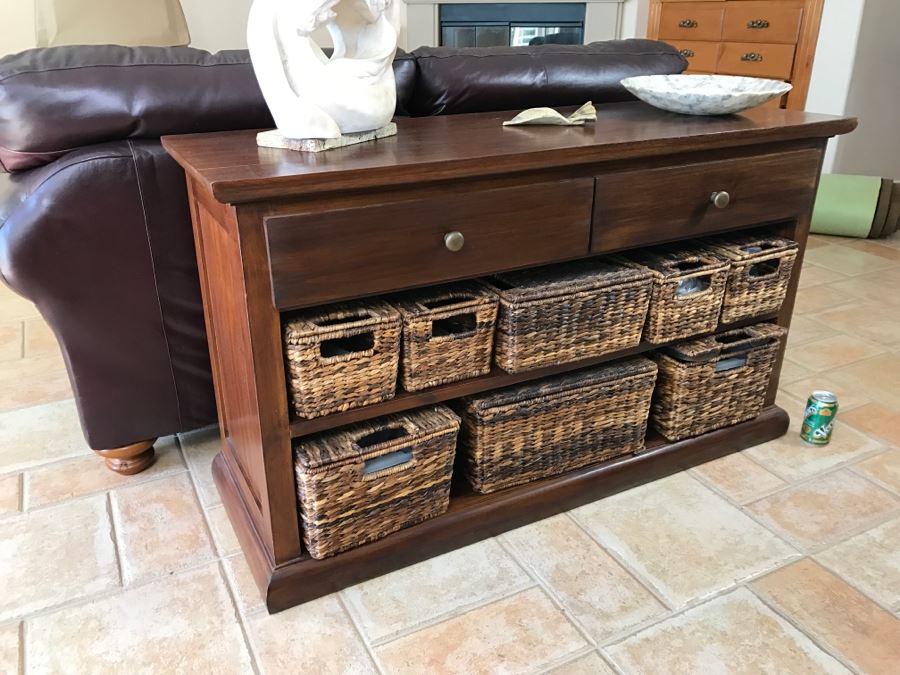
818, 419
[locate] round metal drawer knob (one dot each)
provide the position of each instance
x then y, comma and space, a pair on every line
720, 199
454, 241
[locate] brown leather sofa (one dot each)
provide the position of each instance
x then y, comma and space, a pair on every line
94, 224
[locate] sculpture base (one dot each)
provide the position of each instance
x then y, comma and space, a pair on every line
274, 139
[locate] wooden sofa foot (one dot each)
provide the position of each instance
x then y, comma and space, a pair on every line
129, 459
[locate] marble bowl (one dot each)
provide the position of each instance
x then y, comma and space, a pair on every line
704, 94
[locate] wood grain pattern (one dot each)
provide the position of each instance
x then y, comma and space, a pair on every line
455, 147
775, 61
691, 21
644, 207
318, 258
783, 19
473, 517
702, 56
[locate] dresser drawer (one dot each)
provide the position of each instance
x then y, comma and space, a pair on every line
770, 22
701, 56
756, 60
320, 257
636, 208
691, 21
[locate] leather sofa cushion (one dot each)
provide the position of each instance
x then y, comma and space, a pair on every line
58, 99
514, 78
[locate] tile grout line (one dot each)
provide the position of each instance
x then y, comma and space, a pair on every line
370, 650
23, 660
846, 464
565, 660
816, 640
118, 544
703, 600
551, 595
447, 616
124, 486
851, 584
238, 618
105, 594
615, 555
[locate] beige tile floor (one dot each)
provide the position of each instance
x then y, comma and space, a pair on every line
782, 558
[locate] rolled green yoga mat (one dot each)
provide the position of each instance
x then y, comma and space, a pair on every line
845, 205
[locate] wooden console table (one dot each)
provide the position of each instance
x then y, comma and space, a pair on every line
277, 230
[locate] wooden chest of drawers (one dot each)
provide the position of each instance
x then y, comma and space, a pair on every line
277, 230
757, 38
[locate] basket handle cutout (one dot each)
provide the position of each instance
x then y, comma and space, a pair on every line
446, 301
460, 324
352, 317
388, 461
731, 363
382, 435
758, 247
737, 343
766, 268
693, 285
350, 344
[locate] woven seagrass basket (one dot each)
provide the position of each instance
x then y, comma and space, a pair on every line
688, 287
448, 334
341, 356
558, 424
760, 272
563, 313
715, 381
364, 481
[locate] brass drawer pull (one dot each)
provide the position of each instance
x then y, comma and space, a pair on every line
454, 241
755, 57
688, 53
758, 23
687, 23
720, 199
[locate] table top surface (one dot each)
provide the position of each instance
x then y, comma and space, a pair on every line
234, 169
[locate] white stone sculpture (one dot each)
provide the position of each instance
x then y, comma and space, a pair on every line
350, 96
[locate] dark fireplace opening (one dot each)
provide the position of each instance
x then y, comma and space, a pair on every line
511, 24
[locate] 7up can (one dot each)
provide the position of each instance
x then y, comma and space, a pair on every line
818, 419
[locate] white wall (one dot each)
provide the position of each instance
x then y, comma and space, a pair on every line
874, 96
833, 66
16, 26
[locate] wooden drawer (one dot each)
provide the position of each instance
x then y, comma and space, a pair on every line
701, 56
770, 22
637, 208
691, 21
324, 256
756, 60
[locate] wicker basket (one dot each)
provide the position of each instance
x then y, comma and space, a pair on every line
448, 334
715, 381
342, 356
688, 287
760, 272
568, 312
364, 481
524, 433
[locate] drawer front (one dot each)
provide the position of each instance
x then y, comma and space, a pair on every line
637, 208
320, 257
756, 60
691, 21
771, 22
701, 56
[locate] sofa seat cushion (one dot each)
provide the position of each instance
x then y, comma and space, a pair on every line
514, 78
